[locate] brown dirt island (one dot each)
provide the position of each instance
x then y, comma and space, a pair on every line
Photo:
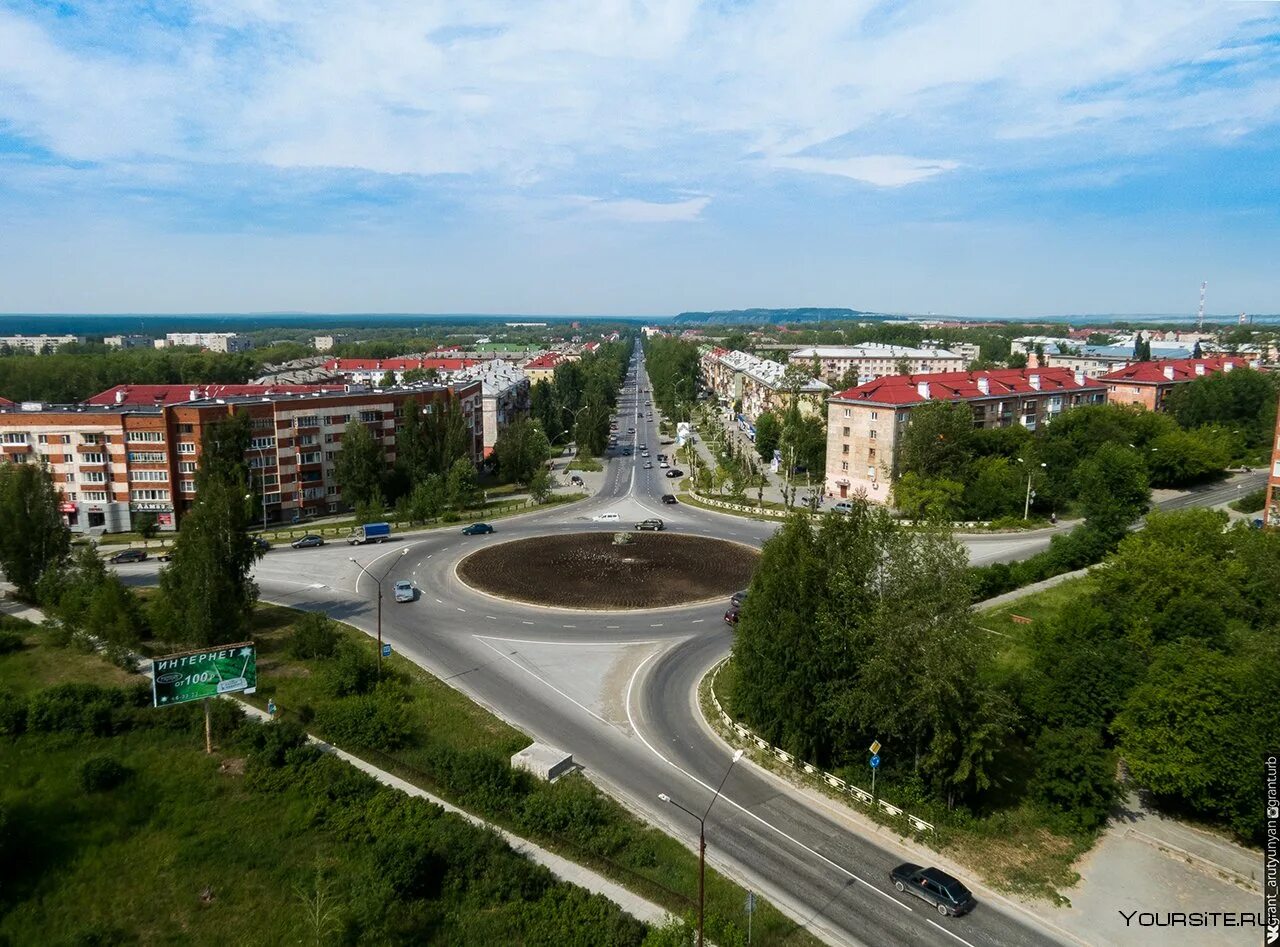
588, 570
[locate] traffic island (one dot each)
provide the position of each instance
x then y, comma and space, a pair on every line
591, 570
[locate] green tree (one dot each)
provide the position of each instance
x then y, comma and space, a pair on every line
361, 465
1180, 458
522, 449
540, 485
448, 439
994, 489
146, 524
1243, 400
33, 538
920, 498
412, 451
768, 435
1075, 777
428, 499
1112, 487
462, 487
934, 445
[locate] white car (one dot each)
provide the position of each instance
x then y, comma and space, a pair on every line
404, 591
606, 518
663, 464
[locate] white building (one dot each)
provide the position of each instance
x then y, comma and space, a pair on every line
1052, 344
325, 343
212, 341
127, 341
505, 394
39, 344
875, 360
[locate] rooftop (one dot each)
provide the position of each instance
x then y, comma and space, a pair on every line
1176, 369
175, 394
965, 386
871, 350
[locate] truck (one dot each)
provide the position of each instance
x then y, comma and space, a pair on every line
369, 533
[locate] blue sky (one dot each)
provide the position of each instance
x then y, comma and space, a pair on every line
607, 156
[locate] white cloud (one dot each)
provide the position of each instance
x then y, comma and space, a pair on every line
646, 212
880, 170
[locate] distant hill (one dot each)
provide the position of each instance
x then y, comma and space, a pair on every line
771, 316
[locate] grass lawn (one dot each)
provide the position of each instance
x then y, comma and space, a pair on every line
1008, 636
453, 738
33, 667
584, 462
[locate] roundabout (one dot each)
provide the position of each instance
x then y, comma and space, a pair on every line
595, 570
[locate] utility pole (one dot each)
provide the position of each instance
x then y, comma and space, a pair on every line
1200, 317
378, 582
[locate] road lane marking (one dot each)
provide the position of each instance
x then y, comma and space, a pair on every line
526, 623
949, 933
459, 608
490, 617
542, 679
697, 620
571, 644
612, 626
652, 749
568, 626
658, 625
438, 602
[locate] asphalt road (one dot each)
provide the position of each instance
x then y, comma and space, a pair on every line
617, 689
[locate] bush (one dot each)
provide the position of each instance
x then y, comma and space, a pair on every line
77, 708
13, 714
10, 641
314, 636
377, 721
100, 773
1250, 502
350, 672
1075, 777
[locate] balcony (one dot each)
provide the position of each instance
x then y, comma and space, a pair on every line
17, 448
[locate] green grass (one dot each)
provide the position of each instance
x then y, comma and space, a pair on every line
585, 462
36, 665
1007, 638
614, 842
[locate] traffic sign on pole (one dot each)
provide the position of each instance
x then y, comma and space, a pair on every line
386, 650
875, 747
875, 762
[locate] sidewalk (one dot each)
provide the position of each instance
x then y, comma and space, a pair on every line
562, 868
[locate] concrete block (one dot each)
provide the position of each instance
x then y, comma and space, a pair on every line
545, 762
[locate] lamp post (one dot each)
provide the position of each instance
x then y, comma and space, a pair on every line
1026, 508
702, 840
378, 582
262, 477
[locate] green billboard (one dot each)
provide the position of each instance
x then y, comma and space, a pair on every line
194, 675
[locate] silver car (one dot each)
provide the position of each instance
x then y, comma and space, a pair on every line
404, 591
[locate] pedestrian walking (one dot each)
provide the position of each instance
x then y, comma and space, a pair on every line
271, 708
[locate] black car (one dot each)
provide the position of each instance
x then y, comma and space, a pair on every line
128, 555
668, 498
673, 473
306, 542
948, 895
731, 615
477, 529
737, 598
654, 524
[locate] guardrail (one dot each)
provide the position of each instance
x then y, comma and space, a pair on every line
835, 782
782, 514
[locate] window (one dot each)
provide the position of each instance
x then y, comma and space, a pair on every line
69, 497
68, 458
308, 440
307, 420
147, 457
331, 455
93, 477
871, 453
844, 466
270, 480
66, 438
186, 447
332, 438
71, 478
311, 457
187, 466
42, 438
94, 496
150, 437
93, 458
367, 416
331, 490
844, 431
871, 434
187, 486
875, 415
151, 476
262, 424
847, 413
89, 438
186, 428
262, 443
150, 494
14, 437
844, 448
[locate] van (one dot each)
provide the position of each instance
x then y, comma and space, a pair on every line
844, 506
606, 518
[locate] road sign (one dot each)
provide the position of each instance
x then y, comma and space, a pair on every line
386, 650
875, 762
875, 747
195, 675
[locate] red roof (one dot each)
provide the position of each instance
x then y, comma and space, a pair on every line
175, 394
1158, 372
964, 386
547, 360
403, 364
6, 402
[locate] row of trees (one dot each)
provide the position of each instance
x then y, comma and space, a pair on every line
580, 399
70, 377
672, 366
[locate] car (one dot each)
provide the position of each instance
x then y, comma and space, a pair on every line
662, 457
644, 453
477, 529
575, 481
644, 446
404, 591
654, 524
631, 430
844, 506
128, 555
673, 473
737, 598
306, 542
606, 518
261, 545
664, 465
731, 615
948, 895
648, 465
668, 498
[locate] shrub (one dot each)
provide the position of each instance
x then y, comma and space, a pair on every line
1075, 777
350, 672
377, 721
77, 708
13, 714
100, 773
314, 636
10, 641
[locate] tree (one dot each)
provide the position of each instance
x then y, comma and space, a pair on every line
1075, 777
1243, 400
1180, 458
33, 538
521, 450
935, 441
768, 435
1113, 489
462, 488
448, 439
428, 499
994, 489
921, 498
541, 485
146, 524
224, 445
361, 465
412, 452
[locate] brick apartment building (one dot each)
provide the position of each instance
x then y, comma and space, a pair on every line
758, 383
113, 460
864, 423
1147, 384
374, 371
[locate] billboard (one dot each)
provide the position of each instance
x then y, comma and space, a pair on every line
195, 675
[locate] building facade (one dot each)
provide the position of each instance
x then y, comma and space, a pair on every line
505, 395
1271, 509
542, 367
872, 360
37, 344
128, 341
210, 341
377, 371
756, 385
1147, 384
865, 423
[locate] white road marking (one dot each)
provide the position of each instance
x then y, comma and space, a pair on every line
480, 638
438, 602
612, 626
431, 555
697, 621
652, 749
568, 626
490, 617
526, 623
658, 625
570, 644
949, 933
459, 608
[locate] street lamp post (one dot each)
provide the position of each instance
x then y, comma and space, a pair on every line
262, 478
1026, 508
378, 582
702, 840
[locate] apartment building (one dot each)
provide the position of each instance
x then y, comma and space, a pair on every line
1147, 384
210, 341
36, 344
128, 341
760, 384
1271, 510
111, 461
865, 423
134, 395
1029, 344
375, 371
505, 396
873, 360
325, 343
542, 367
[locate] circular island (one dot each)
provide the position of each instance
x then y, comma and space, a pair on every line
596, 571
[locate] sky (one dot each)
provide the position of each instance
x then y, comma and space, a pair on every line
615, 157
